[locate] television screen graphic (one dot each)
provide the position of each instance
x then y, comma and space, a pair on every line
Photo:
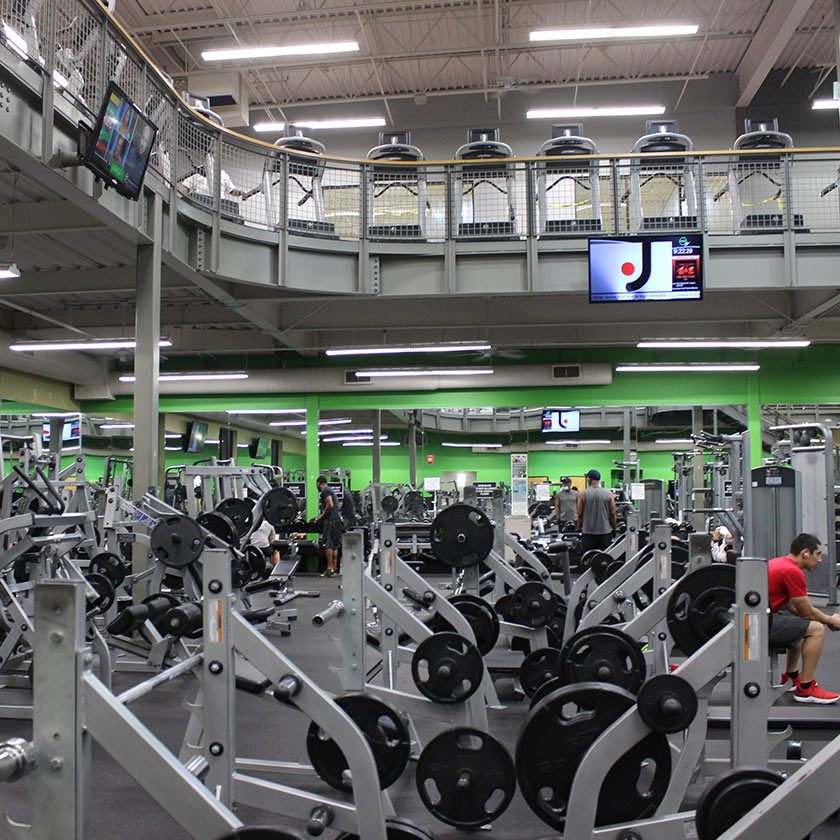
646, 268
554, 420
121, 143
198, 432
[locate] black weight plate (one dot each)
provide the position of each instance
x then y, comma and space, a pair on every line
240, 571
503, 607
700, 606
557, 734
534, 604
599, 562
106, 594
259, 564
219, 525
447, 668
482, 618
461, 536
465, 778
384, 731
111, 565
389, 504
239, 512
414, 505
667, 703
730, 796
547, 688
280, 508
605, 655
529, 574
398, 830
177, 541
539, 667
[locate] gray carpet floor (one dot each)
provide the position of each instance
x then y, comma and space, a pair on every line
120, 810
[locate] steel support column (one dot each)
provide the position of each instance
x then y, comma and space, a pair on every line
377, 446
313, 465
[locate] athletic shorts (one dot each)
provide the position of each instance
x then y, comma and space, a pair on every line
332, 534
786, 629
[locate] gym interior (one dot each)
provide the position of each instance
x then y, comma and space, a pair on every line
401, 405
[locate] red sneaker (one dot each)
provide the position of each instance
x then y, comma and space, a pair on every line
792, 684
815, 694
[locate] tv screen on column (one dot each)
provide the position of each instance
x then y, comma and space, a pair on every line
646, 268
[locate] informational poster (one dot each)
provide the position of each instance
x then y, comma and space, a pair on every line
542, 492
297, 489
431, 483
519, 484
484, 489
637, 492
338, 488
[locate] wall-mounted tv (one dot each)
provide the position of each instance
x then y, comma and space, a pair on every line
70, 433
555, 420
643, 268
121, 143
261, 448
195, 440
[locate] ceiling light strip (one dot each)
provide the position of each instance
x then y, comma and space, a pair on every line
449, 347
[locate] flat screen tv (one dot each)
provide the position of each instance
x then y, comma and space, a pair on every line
195, 440
121, 143
555, 420
70, 433
645, 268
261, 448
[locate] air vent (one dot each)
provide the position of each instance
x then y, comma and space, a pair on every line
565, 372
350, 378
222, 100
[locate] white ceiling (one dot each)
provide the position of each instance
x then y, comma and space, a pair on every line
438, 47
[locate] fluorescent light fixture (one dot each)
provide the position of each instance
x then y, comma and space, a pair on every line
605, 111
716, 343
338, 421
382, 443
94, 344
665, 30
173, 448
117, 426
343, 438
288, 423
191, 377
267, 411
674, 441
242, 445
338, 122
322, 432
174, 436
57, 414
448, 347
578, 442
473, 445
211, 441
476, 371
9, 271
689, 367
825, 104
235, 53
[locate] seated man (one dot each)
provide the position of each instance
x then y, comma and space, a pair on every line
721, 543
198, 183
264, 538
795, 623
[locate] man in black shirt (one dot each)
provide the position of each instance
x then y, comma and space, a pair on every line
330, 517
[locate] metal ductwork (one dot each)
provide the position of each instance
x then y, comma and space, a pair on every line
64, 366
333, 380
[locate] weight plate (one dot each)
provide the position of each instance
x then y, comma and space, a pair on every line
529, 574
389, 504
414, 505
503, 607
482, 619
220, 525
110, 565
679, 566
538, 667
667, 703
384, 731
557, 734
447, 668
105, 593
461, 536
177, 541
600, 562
606, 655
240, 571
547, 688
280, 508
260, 568
534, 604
730, 796
700, 606
398, 830
465, 778
239, 512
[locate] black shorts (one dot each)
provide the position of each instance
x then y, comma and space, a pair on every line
595, 541
786, 629
331, 536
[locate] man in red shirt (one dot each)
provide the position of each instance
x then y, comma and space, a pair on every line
795, 623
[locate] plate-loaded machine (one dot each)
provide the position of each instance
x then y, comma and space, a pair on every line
478, 169
395, 146
562, 174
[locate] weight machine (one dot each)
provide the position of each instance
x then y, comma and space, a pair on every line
396, 191
562, 175
480, 217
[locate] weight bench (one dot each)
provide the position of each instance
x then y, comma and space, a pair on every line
248, 678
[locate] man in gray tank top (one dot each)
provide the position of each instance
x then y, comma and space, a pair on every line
596, 514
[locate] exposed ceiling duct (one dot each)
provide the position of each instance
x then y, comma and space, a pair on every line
64, 366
